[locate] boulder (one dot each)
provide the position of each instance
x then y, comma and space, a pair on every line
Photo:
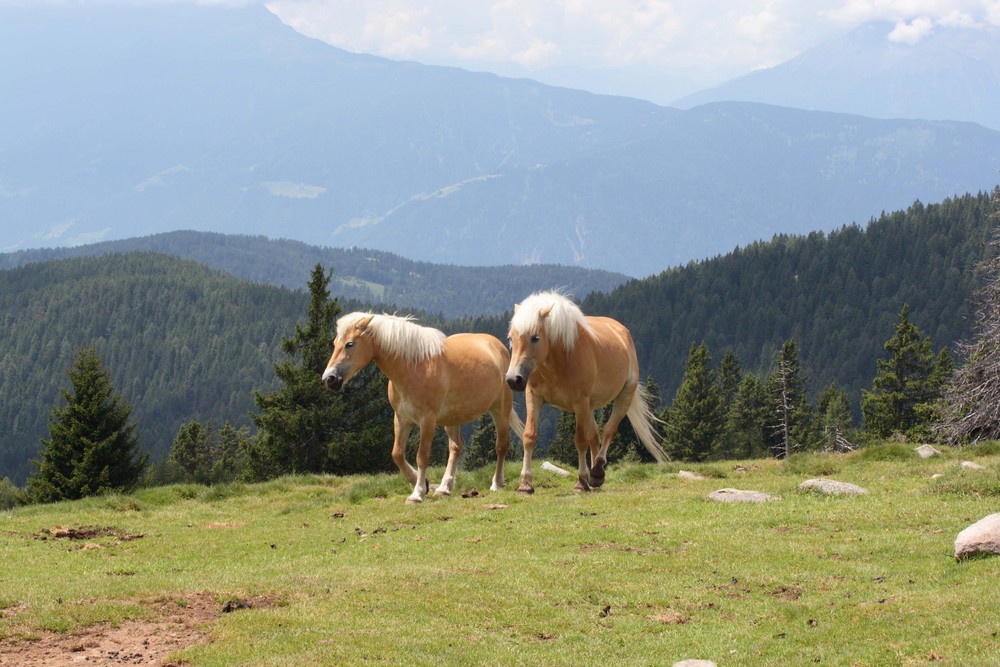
687, 474
740, 496
832, 487
980, 539
971, 465
926, 451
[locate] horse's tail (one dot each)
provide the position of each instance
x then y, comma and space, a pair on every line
642, 419
516, 424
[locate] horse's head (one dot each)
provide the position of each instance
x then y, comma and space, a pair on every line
353, 349
529, 346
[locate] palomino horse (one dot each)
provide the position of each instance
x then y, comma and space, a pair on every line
578, 364
433, 379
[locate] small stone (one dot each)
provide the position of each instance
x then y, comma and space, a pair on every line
980, 539
740, 496
926, 451
687, 474
971, 465
832, 487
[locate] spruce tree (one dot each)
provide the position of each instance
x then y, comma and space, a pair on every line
903, 382
792, 423
749, 419
833, 411
694, 422
971, 404
563, 448
93, 447
297, 423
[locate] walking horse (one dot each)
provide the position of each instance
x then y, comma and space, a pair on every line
578, 364
433, 379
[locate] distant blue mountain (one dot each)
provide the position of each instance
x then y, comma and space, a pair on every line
120, 121
951, 74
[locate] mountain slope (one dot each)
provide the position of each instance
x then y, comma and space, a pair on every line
128, 121
952, 74
367, 276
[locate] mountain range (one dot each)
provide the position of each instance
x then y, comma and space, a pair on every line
124, 121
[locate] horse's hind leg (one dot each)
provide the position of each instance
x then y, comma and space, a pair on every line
600, 458
585, 439
455, 445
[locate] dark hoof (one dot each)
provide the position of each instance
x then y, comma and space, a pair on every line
597, 474
581, 485
525, 490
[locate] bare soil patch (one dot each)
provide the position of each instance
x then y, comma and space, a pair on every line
175, 624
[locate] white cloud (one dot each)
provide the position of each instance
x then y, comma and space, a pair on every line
912, 32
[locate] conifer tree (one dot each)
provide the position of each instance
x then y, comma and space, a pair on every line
563, 448
297, 423
833, 411
792, 423
694, 421
728, 378
971, 404
93, 447
903, 382
750, 418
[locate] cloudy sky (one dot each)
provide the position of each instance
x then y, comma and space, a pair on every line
655, 49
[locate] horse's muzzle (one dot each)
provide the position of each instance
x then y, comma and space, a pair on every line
517, 379
333, 381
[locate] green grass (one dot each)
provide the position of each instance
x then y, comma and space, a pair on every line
644, 572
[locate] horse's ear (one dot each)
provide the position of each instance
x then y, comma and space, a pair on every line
544, 312
363, 323
515, 307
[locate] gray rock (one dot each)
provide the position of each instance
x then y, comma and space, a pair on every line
980, 539
832, 487
926, 451
740, 496
687, 474
971, 465
695, 663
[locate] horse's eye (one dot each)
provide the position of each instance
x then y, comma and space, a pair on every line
535, 338
349, 344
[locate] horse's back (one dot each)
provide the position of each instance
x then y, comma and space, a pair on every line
467, 350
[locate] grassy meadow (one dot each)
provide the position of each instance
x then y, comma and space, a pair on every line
644, 572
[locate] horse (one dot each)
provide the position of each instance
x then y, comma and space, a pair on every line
578, 364
433, 379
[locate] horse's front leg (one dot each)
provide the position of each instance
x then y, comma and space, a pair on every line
533, 405
455, 445
501, 424
421, 486
585, 438
401, 434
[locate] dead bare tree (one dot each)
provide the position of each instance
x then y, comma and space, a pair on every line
971, 406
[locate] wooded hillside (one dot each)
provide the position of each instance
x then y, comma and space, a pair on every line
183, 342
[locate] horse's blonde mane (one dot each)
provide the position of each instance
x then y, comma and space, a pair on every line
399, 335
561, 322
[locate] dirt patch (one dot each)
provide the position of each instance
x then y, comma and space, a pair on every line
175, 624
85, 533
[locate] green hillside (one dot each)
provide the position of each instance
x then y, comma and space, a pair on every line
838, 295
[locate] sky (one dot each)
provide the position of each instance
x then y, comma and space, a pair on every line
652, 49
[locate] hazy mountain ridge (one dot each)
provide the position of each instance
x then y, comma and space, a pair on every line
160, 118
951, 74
369, 276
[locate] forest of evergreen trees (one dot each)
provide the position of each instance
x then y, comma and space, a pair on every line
185, 343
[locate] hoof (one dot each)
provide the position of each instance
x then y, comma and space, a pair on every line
581, 485
411, 500
597, 474
525, 490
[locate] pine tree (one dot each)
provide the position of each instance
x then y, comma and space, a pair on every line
563, 449
834, 413
903, 382
750, 418
93, 447
694, 421
971, 405
728, 378
792, 425
297, 423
